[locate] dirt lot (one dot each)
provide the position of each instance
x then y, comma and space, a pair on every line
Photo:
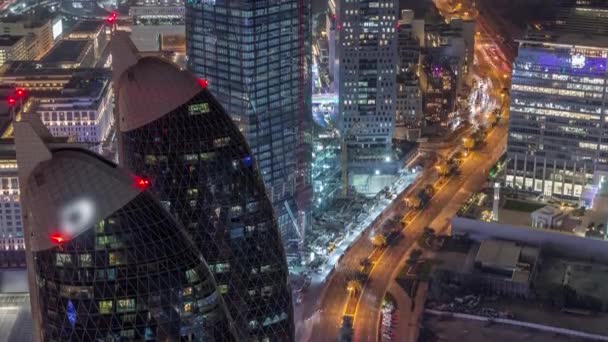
464, 330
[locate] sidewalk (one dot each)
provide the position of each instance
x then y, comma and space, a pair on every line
408, 325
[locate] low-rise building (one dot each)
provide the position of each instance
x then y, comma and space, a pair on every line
41, 30
12, 48
71, 53
94, 30
71, 102
496, 266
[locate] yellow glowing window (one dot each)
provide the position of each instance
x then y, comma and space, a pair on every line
105, 306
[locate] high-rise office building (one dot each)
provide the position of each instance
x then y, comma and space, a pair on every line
368, 45
174, 132
408, 115
255, 55
106, 261
368, 59
558, 145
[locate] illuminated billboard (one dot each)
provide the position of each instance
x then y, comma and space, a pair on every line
57, 29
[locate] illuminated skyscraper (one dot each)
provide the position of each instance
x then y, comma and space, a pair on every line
368, 45
106, 262
176, 134
256, 56
558, 142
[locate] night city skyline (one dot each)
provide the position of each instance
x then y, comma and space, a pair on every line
303, 171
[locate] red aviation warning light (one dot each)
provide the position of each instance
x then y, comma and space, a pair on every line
111, 18
58, 238
141, 183
203, 83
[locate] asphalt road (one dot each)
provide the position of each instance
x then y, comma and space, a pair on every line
437, 215
319, 317
330, 301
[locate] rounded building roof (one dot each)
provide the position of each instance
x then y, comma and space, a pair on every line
152, 88
71, 192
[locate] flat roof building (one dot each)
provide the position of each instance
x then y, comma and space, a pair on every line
12, 48
71, 102
71, 53
42, 30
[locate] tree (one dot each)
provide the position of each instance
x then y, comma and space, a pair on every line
414, 257
468, 143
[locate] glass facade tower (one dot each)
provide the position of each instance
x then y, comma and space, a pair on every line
255, 54
558, 139
107, 262
176, 134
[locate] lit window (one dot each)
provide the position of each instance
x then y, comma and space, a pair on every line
63, 259
192, 276
105, 306
125, 305
116, 258
85, 260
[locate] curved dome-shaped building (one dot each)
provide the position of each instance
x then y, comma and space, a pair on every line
176, 134
107, 262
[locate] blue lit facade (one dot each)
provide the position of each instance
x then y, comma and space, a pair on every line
255, 54
558, 142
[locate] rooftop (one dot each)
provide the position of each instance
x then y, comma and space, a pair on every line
67, 50
87, 26
7, 41
498, 254
586, 278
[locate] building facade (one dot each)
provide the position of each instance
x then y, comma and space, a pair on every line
12, 243
558, 142
174, 132
408, 115
105, 260
367, 36
71, 102
41, 31
256, 57
12, 48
